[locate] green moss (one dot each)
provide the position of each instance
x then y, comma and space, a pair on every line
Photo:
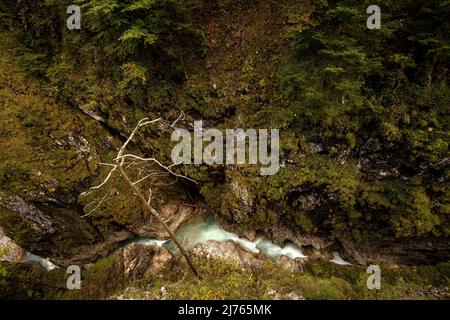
19, 229
409, 208
225, 280
321, 280
99, 281
29, 282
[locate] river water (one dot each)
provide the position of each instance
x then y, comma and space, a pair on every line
45, 263
202, 229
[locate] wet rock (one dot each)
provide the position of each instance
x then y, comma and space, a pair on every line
86, 253
281, 234
236, 228
48, 223
394, 252
312, 246
141, 262
227, 251
58, 221
316, 253
135, 262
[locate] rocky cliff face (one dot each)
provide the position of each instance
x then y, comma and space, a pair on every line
135, 262
50, 154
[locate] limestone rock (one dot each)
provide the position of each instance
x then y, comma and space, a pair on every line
9, 251
227, 251
142, 261
240, 196
39, 221
292, 265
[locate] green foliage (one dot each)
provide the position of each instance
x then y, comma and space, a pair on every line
407, 207
335, 51
29, 282
139, 37
134, 29
225, 280
346, 85
321, 280
347, 78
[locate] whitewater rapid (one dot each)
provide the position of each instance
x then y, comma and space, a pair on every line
203, 229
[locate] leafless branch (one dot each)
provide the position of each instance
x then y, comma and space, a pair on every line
167, 168
97, 206
118, 164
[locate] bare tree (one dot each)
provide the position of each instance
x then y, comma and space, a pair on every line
118, 165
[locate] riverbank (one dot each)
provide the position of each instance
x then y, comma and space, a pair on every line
145, 268
110, 278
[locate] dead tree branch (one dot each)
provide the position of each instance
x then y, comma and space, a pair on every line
118, 165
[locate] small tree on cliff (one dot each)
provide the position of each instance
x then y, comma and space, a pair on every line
121, 163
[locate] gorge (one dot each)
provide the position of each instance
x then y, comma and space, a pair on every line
363, 122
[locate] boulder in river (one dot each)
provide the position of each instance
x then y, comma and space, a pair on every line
227, 251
